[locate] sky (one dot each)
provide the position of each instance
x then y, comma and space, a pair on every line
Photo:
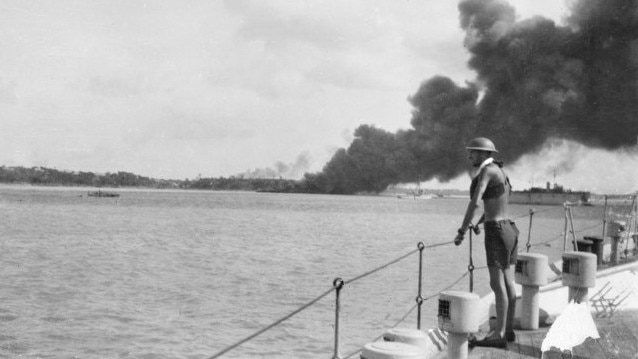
180, 89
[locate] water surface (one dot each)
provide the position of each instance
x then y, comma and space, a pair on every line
184, 274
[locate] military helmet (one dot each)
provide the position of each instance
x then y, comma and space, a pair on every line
481, 144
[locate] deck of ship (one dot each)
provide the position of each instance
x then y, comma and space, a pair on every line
618, 340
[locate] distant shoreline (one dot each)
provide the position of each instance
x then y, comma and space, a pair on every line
45, 177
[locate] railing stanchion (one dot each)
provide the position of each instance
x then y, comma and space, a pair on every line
565, 233
571, 224
337, 283
529, 232
470, 266
605, 219
419, 297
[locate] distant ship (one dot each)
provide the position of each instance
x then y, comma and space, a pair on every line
552, 196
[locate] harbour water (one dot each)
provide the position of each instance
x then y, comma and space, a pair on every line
184, 274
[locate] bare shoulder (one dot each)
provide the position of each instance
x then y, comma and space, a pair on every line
494, 172
491, 169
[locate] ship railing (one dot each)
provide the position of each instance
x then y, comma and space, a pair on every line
338, 283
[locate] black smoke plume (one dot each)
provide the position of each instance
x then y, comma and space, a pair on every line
535, 81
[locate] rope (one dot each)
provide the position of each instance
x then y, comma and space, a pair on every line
545, 242
432, 296
381, 267
439, 244
250, 337
559, 236
523, 215
588, 228
394, 261
231, 347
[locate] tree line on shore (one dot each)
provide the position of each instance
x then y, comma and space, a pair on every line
42, 176
311, 183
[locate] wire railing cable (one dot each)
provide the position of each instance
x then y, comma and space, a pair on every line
559, 236
402, 319
536, 211
250, 337
381, 267
393, 262
523, 215
305, 306
439, 244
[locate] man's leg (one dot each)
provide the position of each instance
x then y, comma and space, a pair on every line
497, 283
511, 298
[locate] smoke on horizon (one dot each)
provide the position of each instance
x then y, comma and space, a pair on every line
536, 81
280, 169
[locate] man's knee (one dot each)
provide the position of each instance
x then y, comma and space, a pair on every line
497, 284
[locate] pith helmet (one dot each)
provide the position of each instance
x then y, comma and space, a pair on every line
481, 144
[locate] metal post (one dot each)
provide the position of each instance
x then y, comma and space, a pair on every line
529, 232
571, 222
634, 215
633, 225
419, 297
565, 232
470, 266
337, 283
604, 219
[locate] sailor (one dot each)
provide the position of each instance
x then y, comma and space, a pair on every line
490, 184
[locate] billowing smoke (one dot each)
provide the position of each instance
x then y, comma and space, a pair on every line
535, 81
281, 170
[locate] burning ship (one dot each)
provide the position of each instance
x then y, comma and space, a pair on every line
554, 195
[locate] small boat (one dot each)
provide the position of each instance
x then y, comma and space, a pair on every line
102, 194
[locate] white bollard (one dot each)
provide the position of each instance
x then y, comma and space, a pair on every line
579, 274
391, 350
531, 273
408, 336
459, 316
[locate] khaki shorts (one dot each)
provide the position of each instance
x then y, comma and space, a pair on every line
501, 243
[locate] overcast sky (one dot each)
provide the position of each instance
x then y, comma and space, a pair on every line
177, 89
